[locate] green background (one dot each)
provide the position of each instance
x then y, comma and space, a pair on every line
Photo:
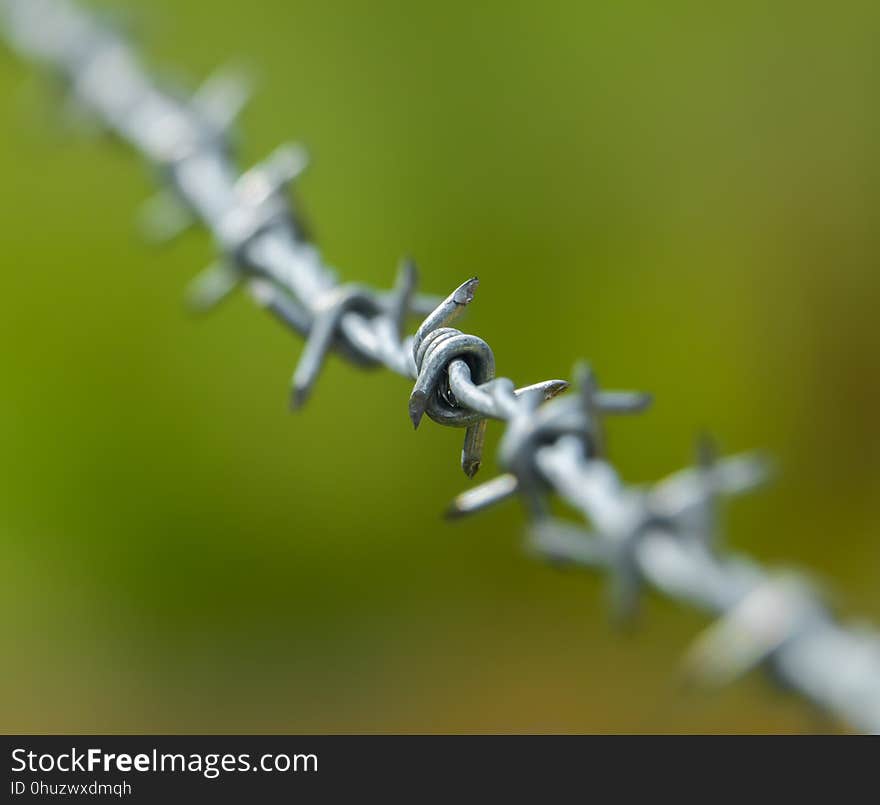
686, 194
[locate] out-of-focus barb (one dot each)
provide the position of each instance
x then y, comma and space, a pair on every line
328, 313
662, 536
623, 518
775, 611
533, 424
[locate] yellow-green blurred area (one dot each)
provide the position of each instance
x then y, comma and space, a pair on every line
685, 194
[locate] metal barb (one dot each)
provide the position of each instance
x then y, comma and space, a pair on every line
328, 314
402, 296
483, 496
447, 311
774, 612
212, 286
162, 218
223, 96
436, 350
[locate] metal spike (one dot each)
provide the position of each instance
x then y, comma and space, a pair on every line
560, 541
281, 305
548, 389
706, 512
327, 315
418, 404
622, 402
286, 164
766, 617
483, 496
318, 344
447, 311
163, 218
472, 451
586, 382
223, 96
212, 286
265, 181
401, 299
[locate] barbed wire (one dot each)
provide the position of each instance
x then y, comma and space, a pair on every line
663, 536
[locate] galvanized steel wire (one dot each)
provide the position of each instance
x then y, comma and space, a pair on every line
662, 537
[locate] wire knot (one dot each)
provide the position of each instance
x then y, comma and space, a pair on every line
191, 127
436, 347
533, 426
260, 202
325, 332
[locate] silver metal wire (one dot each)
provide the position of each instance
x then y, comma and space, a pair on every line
662, 537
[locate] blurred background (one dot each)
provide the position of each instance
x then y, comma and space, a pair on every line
684, 194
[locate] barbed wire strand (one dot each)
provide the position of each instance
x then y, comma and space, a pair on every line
663, 537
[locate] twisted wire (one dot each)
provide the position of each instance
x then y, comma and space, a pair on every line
662, 537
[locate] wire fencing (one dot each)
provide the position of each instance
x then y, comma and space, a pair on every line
662, 537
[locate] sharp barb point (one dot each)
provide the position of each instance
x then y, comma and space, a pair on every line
464, 294
555, 387
453, 512
417, 404
299, 396
471, 468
